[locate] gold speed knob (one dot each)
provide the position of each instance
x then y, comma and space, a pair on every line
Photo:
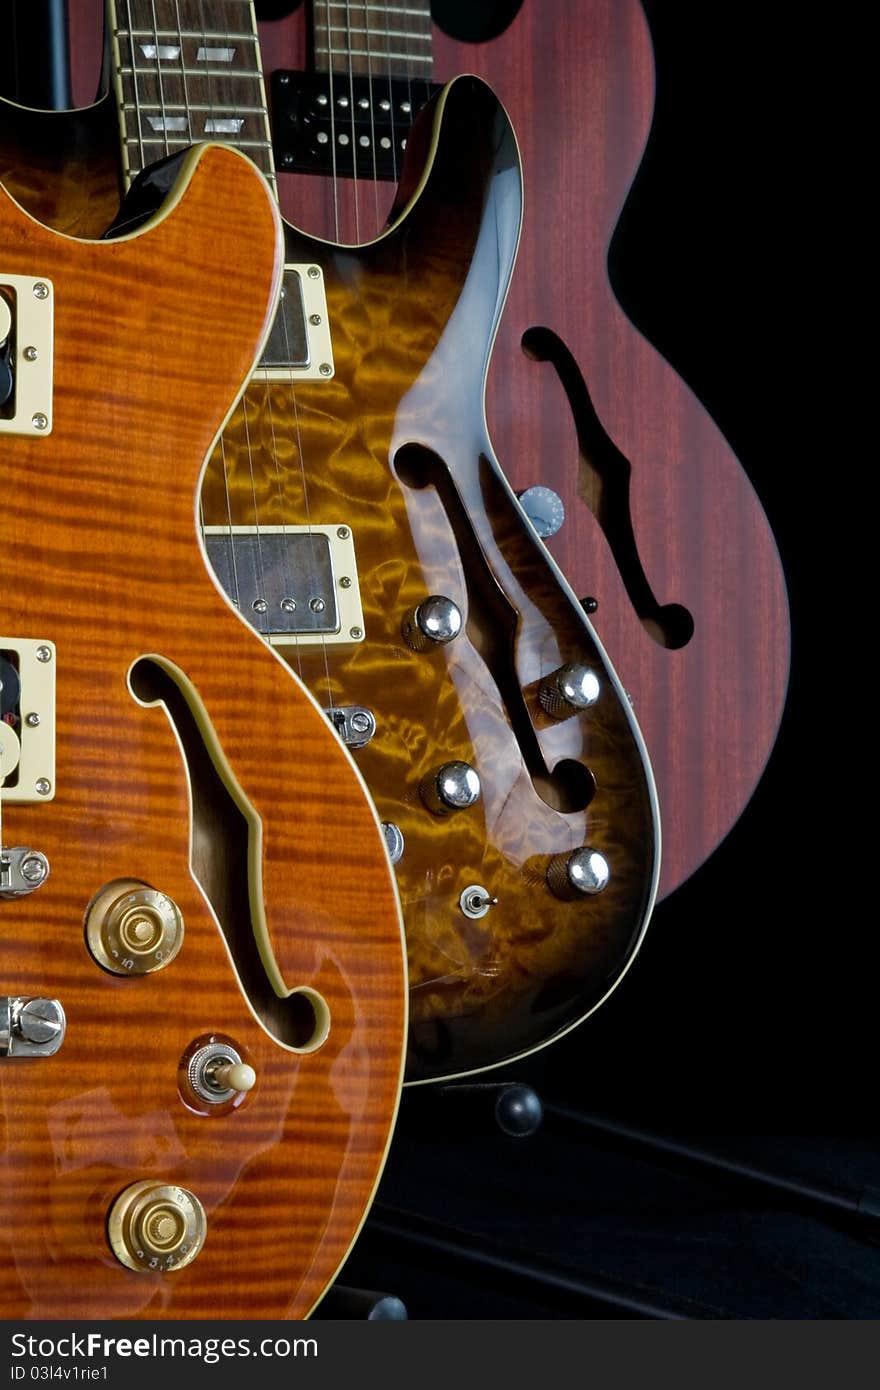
156, 1226
132, 929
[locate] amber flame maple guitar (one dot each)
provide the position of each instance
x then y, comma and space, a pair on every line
201, 1014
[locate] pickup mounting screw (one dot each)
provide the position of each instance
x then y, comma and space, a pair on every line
345, 582
314, 319
325, 369
44, 653
30, 354
343, 533
43, 786
356, 632
313, 272
32, 720
41, 290
39, 420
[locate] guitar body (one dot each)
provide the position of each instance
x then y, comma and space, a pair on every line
663, 527
100, 556
395, 447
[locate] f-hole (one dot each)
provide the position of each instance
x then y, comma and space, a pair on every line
603, 484
491, 628
220, 864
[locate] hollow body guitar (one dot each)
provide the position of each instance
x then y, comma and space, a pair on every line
485, 779
663, 529
205, 1051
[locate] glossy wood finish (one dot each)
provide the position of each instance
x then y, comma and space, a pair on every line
578, 84
413, 317
483, 991
154, 336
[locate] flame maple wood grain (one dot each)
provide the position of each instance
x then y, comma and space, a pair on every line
154, 336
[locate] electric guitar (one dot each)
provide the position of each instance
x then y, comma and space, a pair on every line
202, 986
356, 515
661, 530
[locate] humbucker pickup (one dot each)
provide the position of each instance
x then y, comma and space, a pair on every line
293, 584
27, 719
322, 126
299, 347
26, 340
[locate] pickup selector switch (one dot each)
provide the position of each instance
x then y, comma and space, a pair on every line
132, 929
434, 622
217, 1073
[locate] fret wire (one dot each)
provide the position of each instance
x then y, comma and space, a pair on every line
184, 143
192, 106
367, 53
380, 33
390, 9
182, 34
190, 72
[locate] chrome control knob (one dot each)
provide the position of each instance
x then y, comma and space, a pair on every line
132, 929
568, 690
581, 873
434, 622
156, 1226
452, 787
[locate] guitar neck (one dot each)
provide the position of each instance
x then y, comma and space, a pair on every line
186, 71
372, 40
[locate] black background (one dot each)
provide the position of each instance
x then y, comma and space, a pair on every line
746, 1025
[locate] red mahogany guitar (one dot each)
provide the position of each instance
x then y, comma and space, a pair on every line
662, 526
201, 1015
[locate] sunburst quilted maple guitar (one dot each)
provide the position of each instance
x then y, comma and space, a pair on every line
202, 986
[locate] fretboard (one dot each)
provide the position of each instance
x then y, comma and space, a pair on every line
188, 70
352, 37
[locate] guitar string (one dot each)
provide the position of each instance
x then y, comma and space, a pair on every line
351, 107
282, 474
135, 100
312, 578
191, 135
259, 619
394, 151
370, 99
334, 181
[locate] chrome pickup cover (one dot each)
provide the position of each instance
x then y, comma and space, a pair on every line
291, 583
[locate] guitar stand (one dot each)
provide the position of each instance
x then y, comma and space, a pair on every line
343, 1303
481, 1107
